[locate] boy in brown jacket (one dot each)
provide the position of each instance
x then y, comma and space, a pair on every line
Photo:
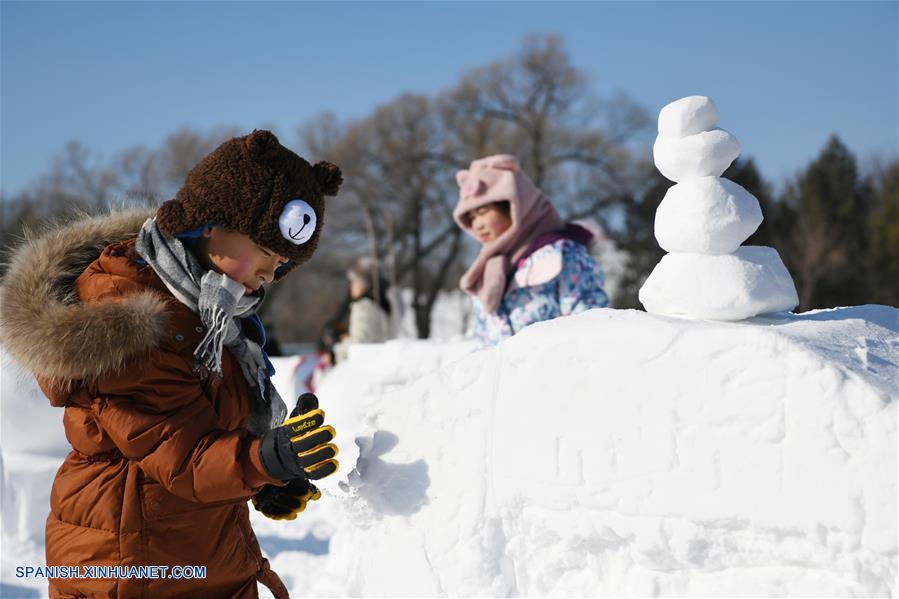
144, 330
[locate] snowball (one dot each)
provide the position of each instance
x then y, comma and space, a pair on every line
705, 154
687, 116
708, 215
751, 281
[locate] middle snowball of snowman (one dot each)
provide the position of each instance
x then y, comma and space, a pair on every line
706, 215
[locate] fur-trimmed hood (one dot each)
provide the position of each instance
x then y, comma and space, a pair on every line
48, 330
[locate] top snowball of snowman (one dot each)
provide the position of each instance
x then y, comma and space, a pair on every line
690, 144
688, 116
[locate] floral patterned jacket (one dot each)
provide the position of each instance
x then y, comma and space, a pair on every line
558, 278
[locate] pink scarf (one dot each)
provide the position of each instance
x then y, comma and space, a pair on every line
495, 179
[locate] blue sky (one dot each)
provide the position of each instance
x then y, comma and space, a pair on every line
785, 75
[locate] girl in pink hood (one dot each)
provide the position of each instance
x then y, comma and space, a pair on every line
532, 266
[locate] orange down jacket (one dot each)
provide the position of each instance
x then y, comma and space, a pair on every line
162, 465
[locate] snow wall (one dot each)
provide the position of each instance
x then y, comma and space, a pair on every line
609, 453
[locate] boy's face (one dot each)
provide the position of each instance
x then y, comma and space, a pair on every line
239, 257
489, 222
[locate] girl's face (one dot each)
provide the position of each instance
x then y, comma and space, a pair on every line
239, 257
489, 222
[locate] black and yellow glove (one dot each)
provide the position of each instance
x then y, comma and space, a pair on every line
284, 503
301, 447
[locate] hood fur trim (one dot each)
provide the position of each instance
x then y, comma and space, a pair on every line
48, 330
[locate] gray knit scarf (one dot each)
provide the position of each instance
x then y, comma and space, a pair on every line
219, 301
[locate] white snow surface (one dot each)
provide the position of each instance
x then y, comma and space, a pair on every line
752, 458
611, 453
703, 154
707, 215
751, 281
688, 116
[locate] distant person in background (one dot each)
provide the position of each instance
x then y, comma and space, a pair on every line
334, 330
369, 319
532, 266
272, 347
329, 338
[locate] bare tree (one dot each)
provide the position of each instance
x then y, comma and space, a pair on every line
572, 144
399, 163
182, 150
80, 181
398, 196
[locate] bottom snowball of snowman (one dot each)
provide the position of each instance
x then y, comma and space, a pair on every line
751, 281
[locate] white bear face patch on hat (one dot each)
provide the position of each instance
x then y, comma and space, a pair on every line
297, 222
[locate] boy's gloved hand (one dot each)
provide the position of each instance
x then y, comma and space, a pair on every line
301, 447
284, 503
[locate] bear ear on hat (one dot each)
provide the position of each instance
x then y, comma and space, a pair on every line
261, 145
505, 162
328, 176
469, 184
171, 218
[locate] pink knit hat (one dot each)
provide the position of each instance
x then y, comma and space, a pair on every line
499, 179
493, 179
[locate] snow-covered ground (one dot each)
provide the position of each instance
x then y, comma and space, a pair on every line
609, 453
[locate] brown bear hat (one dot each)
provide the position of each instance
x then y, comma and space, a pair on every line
256, 186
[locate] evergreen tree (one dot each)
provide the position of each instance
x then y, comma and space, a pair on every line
883, 251
745, 173
638, 238
824, 225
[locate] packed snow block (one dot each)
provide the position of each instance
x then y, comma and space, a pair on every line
25, 497
370, 370
704, 154
27, 479
688, 116
751, 281
24, 405
708, 215
620, 453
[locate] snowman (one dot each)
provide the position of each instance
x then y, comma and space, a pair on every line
702, 222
